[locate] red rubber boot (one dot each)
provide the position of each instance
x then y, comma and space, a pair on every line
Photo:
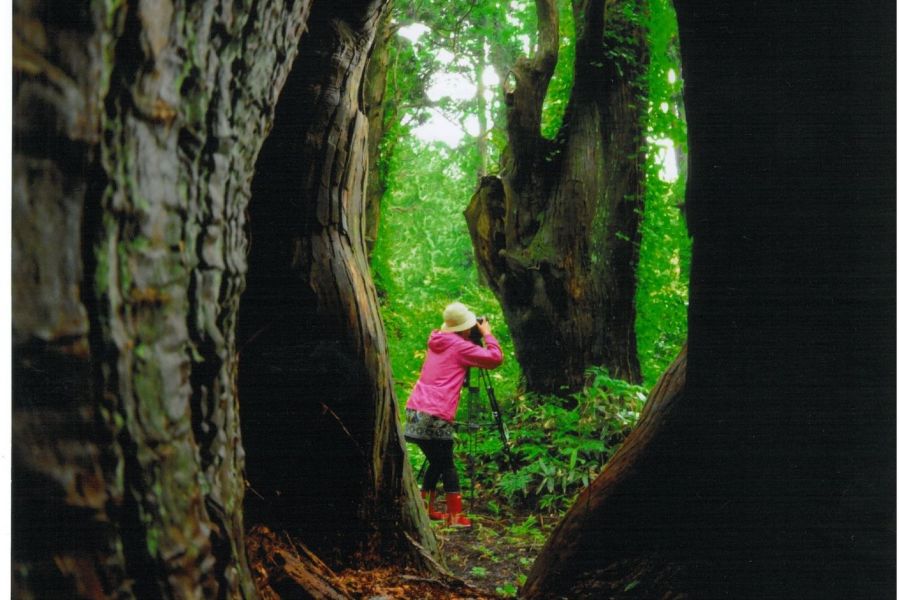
430, 498
455, 516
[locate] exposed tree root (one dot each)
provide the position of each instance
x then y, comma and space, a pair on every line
284, 569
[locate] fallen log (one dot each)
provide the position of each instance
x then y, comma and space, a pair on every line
283, 568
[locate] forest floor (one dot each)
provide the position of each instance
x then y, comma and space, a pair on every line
490, 561
496, 553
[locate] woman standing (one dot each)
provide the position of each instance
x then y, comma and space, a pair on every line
432, 405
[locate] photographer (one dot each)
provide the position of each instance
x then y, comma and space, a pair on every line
432, 405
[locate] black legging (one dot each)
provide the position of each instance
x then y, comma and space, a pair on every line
440, 464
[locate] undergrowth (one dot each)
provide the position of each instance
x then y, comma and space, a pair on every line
557, 446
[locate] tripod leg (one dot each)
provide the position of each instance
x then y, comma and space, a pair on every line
498, 419
470, 459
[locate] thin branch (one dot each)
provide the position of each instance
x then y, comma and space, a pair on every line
327, 409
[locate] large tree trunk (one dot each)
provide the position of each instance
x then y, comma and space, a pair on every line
772, 474
556, 236
137, 129
321, 421
137, 126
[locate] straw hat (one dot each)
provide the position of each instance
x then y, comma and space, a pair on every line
458, 318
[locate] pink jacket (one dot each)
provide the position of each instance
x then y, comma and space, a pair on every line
444, 371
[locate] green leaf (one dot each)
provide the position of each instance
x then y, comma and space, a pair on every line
478, 572
507, 589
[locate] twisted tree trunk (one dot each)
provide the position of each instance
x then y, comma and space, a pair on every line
321, 420
556, 235
137, 126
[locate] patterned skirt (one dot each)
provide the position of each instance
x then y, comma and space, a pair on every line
422, 426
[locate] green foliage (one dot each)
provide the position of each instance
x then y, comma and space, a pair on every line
423, 259
528, 529
563, 77
664, 266
560, 445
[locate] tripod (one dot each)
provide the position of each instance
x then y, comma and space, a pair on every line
496, 414
473, 413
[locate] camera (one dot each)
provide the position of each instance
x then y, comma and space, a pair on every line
475, 333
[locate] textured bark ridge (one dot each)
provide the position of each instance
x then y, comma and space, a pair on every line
320, 419
60, 483
137, 127
556, 234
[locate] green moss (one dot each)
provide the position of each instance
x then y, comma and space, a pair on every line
147, 388
141, 244
142, 351
205, 487
101, 272
152, 540
125, 277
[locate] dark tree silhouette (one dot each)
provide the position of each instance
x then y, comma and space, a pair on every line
770, 473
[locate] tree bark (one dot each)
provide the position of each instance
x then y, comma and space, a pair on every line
374, 107
137, 126
772, 475
322, 425
556, 235
481, 106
